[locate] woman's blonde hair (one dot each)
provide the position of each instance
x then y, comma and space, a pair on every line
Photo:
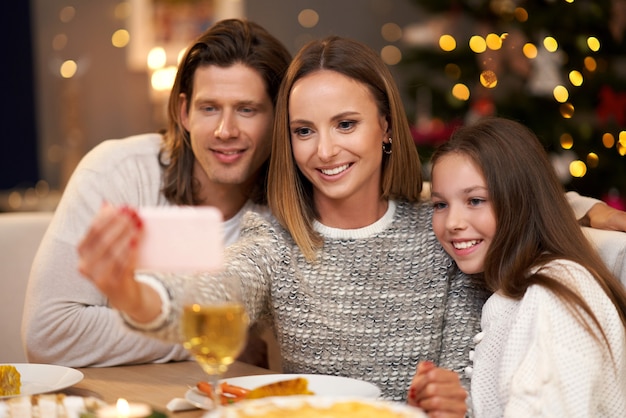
290, 194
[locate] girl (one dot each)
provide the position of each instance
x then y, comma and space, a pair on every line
553, 333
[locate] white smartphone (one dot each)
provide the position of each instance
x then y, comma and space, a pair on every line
181, 239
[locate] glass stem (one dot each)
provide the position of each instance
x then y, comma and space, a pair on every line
214, 381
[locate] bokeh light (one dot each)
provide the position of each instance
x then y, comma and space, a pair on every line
560, 94
391, 32
477, 44
391, 54
488, 79
157, 58
593, 160
567, 141
120, 38
576, 78
308, 18
67, 14
163, 79
608, 140
461, 92
494, 42
550, 44
447, 43
593, 43
590, 64
59, 42
530, 51
68, 69
577, 168
521, 14
567, 110
453, 71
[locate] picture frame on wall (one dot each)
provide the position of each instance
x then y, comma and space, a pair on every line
171, 25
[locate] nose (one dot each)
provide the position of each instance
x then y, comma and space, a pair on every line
227, 126
326, 147
455, 221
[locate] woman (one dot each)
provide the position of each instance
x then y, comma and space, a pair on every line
554, 331
349, 271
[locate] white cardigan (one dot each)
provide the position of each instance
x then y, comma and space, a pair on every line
535, 360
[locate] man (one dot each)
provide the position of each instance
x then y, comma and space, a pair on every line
214, 152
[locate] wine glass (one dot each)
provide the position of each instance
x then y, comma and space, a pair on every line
214, 326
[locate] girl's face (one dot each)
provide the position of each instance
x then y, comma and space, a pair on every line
463, 219
336, 135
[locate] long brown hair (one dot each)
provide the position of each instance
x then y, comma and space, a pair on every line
290, 193
535, 223
226, 43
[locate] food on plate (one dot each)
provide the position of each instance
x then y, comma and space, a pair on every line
49, 406
317, 407
297, 386
232, 393
10, 380
228, 393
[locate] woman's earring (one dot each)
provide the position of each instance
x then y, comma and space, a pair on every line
387, 147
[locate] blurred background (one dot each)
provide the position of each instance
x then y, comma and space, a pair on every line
82, 71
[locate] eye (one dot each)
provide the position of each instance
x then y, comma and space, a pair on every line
302, 132
476, 201
247, 111
346, 125
208, 109
439, 205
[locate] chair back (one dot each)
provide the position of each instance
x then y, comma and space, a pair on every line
20, 235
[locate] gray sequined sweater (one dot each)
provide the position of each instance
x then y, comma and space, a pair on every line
376, 302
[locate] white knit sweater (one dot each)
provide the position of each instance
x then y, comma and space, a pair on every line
535, 360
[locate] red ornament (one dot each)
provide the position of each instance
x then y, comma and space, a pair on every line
612, 106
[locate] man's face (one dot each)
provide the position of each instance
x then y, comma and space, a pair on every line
229, 118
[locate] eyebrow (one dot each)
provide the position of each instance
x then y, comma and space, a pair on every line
466, 190
339, 116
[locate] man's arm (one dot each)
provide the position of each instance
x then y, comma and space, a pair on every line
596, 214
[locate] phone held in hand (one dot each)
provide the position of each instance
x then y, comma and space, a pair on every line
181, 239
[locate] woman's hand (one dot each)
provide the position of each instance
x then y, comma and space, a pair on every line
107, 257
437, 391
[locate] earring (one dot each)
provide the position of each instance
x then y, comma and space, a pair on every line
387, 147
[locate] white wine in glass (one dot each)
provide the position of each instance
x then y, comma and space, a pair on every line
215, 331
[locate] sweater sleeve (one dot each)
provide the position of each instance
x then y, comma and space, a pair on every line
560, 363
580, 204
66, 319
252, 260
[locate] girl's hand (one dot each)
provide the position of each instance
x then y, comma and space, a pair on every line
437, 391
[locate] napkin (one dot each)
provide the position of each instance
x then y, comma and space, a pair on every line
179, 404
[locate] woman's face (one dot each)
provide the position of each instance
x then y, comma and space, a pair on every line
463, 218
336, 135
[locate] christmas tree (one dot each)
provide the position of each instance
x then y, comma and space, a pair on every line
557, 66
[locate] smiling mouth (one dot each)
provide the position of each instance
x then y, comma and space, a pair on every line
228, 152
465, 244
335, 171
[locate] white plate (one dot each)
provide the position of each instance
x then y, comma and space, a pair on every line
43, 378
289, 403
320, 385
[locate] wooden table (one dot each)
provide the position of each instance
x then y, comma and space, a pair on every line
154, 384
